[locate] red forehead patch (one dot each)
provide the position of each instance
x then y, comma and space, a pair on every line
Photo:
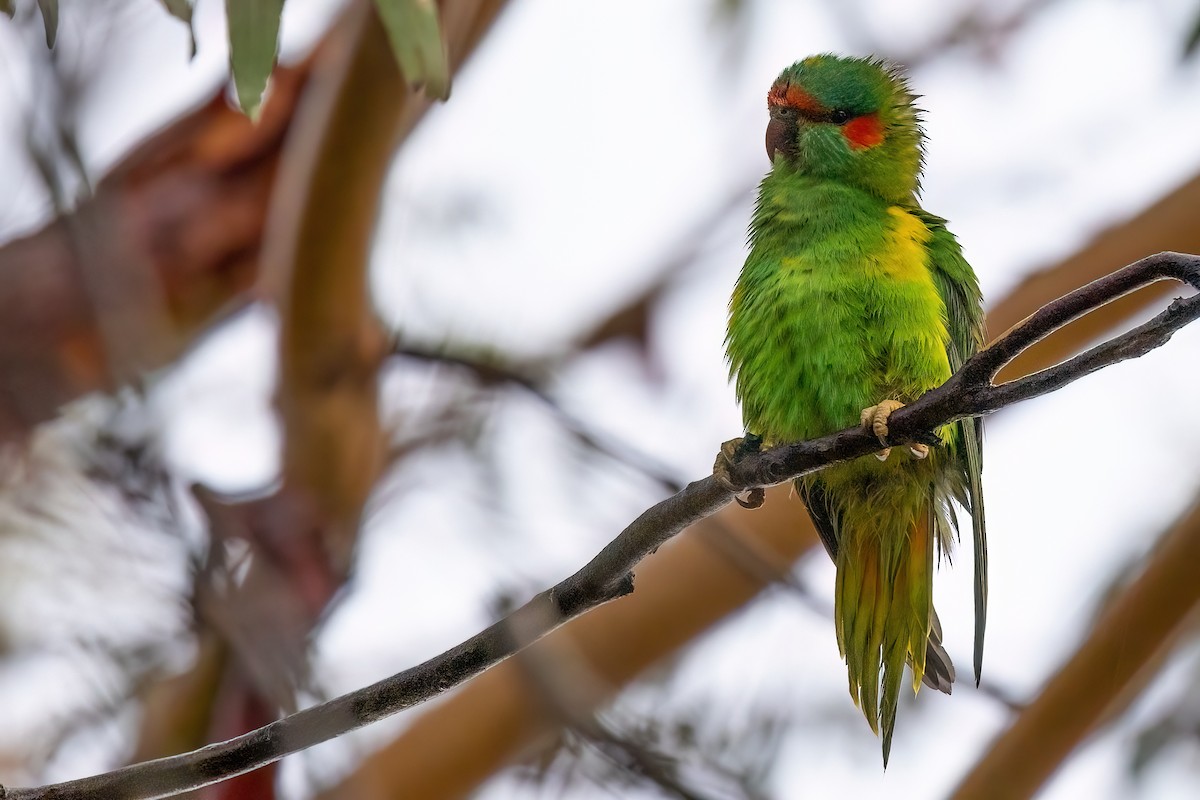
863, 132
793, 96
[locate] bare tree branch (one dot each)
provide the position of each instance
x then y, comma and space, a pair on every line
170, 239
457, 744
531, 378
568, 686
1168, 224
969, 392
350, 119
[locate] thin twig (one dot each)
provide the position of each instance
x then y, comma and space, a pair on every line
529, 379
568, 686
609, 575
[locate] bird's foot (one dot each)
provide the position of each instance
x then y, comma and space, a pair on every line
875, 419
731, 451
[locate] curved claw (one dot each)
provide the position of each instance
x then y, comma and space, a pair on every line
875, 418
753, 498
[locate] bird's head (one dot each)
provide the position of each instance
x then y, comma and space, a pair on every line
847, 119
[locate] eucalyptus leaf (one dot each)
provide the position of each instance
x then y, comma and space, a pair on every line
1151, 743
50, 18
416, 36
253, 47
182, 11
1192, 43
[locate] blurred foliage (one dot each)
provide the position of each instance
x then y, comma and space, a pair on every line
182, 11
253, 27
49, 10
1177, 727
253, 47
670, 751
1192, 42
416, 37
412, 27
90, 509
123, 452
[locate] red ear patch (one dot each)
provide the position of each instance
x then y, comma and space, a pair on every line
863, 132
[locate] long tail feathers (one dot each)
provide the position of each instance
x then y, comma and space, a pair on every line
939, 669
871, 641
920, 594
884, 616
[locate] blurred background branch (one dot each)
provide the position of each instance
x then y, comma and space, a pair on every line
1128, 642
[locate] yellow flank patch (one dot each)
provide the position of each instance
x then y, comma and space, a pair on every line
904, 254
914, 297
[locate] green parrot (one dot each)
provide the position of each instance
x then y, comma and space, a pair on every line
853, 301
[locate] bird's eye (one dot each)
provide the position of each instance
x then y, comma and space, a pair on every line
839, 116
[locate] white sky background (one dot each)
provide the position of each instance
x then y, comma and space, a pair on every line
580, 144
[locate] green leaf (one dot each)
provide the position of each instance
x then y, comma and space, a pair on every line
1151, 743
253, 46
416, 36
1193, 40
50, 18
182, 11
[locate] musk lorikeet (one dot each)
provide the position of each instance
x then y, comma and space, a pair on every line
853, 301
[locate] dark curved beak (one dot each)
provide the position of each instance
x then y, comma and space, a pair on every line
781, 135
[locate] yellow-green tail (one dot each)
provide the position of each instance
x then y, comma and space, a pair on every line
883, 603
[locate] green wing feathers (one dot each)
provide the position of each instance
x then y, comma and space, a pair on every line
959, 289
881, 525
